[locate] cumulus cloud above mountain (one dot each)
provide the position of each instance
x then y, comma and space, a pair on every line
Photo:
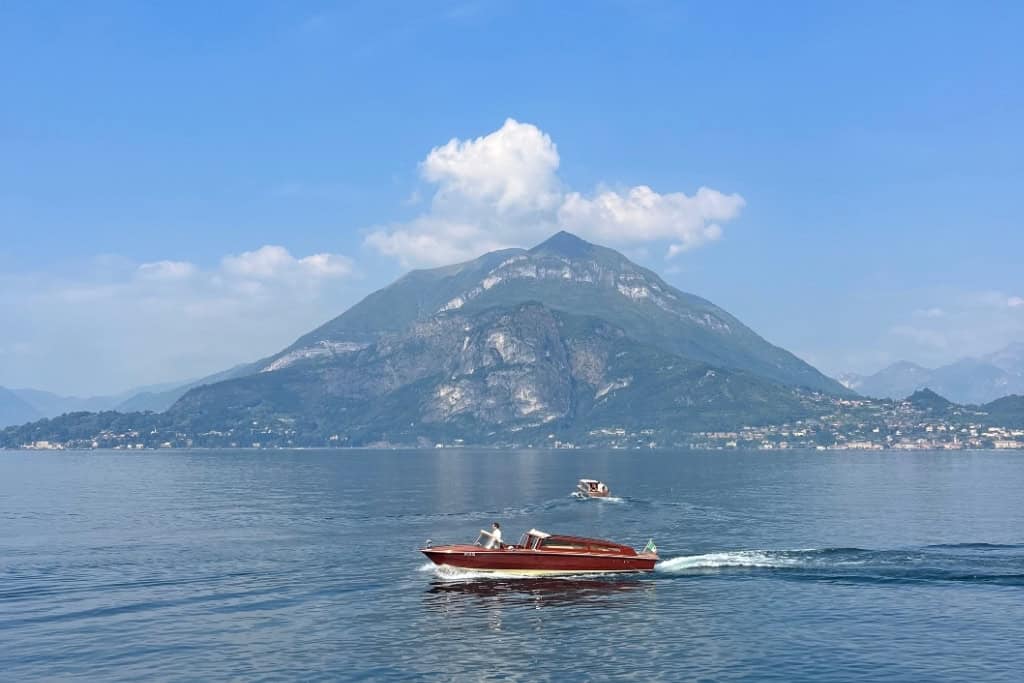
503, 189
510, 171
641, 214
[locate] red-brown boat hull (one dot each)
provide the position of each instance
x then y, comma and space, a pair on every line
537, 562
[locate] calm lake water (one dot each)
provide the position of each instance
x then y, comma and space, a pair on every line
303, 565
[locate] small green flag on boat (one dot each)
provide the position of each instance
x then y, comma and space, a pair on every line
650, 547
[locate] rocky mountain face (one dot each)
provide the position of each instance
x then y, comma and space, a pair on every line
487, 375
968, 380
558, 341
566, 274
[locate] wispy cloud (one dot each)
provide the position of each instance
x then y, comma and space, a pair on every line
120, 324
963, 324
930, 326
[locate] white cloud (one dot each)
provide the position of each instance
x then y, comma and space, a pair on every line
512, 170
641, 215
274, 262
1015, 302
432, 241
502, 189
115, 327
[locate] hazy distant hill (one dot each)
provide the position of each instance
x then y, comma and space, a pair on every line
968, 381
1008, 410
49, 404
15, 410
159, 398
156, 397
928, 400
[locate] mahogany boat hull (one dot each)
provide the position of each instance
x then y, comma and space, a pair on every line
537, 562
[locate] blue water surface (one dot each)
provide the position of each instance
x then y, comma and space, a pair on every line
271, 565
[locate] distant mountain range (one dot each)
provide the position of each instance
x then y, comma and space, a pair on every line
564, 338
967, 381
15, 410
23, 405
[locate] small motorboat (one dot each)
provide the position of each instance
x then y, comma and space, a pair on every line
542, 554
592, 488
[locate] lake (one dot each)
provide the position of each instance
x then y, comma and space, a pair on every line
270, 565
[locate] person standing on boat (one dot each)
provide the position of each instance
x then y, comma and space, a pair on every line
493, 536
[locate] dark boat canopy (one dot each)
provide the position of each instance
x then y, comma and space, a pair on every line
583, 544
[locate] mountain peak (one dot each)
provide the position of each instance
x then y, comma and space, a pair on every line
1007, 358
926, 398
566, 244
903, 366
566, 274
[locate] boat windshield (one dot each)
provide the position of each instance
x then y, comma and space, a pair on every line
528, 541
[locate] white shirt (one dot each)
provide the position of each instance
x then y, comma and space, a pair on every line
495, 538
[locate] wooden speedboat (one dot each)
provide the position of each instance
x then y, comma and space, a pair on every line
592, 488
541, 554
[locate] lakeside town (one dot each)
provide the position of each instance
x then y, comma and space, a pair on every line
923, 421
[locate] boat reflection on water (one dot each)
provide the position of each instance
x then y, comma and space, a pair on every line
539, 592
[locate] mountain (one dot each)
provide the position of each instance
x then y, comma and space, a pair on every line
14, 409
567, 274
1008, 410
49, 404
158, 398
968, 380
155, 397
928, 400
524, 369
1009, 359
566, 337
155, 401
565, 340
896, 381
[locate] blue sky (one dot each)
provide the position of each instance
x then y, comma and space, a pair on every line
169, 171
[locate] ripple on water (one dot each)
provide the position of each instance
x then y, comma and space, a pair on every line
303, 565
